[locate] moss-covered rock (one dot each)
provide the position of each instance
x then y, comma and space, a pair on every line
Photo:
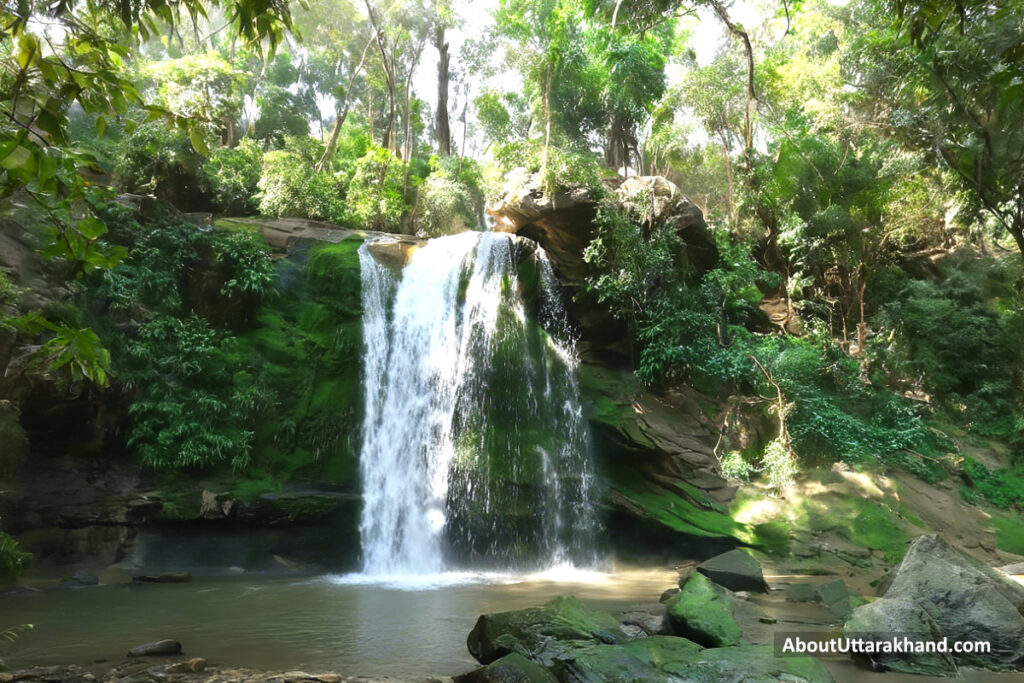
702, 612
664, 659
525, 631
512, 668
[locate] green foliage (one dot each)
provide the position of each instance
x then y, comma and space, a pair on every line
78, 350
232, 177
734, 466
192, 406
13, 560
158, 158
555, 166
778, 465
1003, 488
11, 635
957, 340
631, 262
248, 262
375, 198
289, 187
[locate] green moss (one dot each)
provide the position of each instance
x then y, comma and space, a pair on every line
333, 272
680, 514
702, 612
252, 487
236, 224
1009, 534
864, 522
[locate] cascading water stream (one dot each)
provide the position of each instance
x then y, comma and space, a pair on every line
475, 451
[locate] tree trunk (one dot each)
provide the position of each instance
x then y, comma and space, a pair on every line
343, 108
442, 126
748, 132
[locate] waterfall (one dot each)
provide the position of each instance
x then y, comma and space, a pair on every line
475, 451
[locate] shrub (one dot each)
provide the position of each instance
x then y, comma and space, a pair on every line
13, 560
375, 199
734, 466
193, 405
445, 206
559, 167
288, 186
158, 158
232, 177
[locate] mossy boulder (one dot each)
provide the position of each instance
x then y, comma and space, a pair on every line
702, 612
512, 668
524, 631
664, 659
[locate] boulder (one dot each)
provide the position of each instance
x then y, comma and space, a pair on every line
512, 668
159, 648
665, 659
901, 618
563, 223
661, 201
524, 631
702, 612
649, 624
801, 592
940, 590
735, 570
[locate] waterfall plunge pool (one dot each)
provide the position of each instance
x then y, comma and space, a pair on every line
403, 627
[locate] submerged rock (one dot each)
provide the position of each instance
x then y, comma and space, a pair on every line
164, 577
939, 591
525, 631
80, 579
512, 668
159, 648
702, 612
735, 570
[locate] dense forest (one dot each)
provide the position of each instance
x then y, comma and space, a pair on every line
845, 294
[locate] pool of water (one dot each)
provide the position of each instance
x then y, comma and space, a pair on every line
399, 626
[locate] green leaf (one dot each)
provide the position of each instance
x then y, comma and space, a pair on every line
101, 125
198, 143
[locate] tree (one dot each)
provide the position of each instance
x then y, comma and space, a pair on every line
946, 80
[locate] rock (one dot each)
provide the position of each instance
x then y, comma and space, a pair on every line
524, 631
801, 592
394, 253
159, 648
768, 620
832, 592
650, 624
667, 659
163, 577
884, 618
662, 202
195, 665
668, 595
702, 612
955, 596
1015, 569
563, 223
735, 570
512, 668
